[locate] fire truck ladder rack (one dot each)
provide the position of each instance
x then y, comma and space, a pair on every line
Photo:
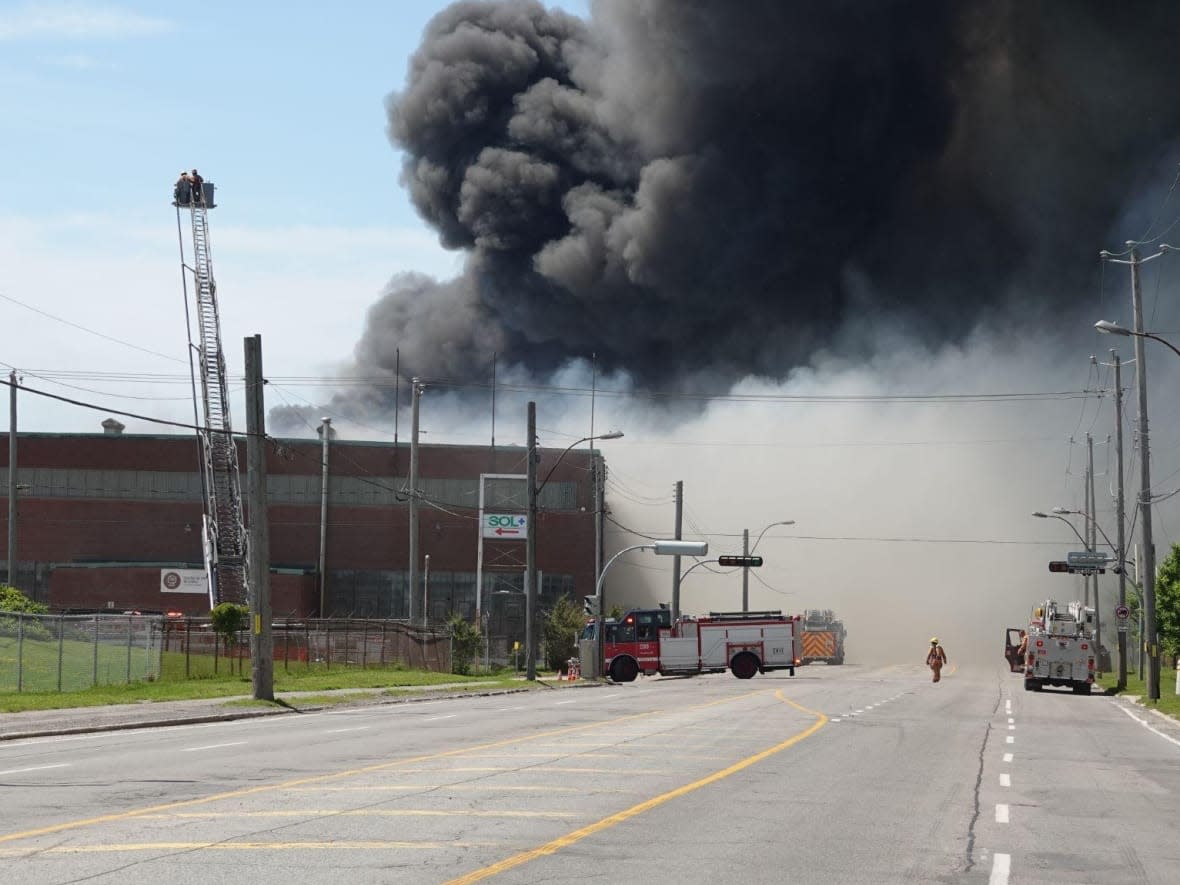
225, 535
748, 616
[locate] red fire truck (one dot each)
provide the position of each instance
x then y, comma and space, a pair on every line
745, 643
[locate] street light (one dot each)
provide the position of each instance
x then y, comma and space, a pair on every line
661, 548
530, 568
1041, 515
1109, 328
746, 551
1138, 333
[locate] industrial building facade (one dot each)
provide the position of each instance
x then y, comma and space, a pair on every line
114, 522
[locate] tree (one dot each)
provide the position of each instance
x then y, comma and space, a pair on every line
229, 619
466, 641
562, 625
1167, 602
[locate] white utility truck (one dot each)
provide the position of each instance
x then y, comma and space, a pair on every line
1061, 648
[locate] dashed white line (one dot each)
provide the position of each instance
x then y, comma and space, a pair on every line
35, 768
436, 718
1007, 757
1005, 780
1011, 739
1012, 728
559, 703
1001, 813
212, 746
1010, 720
342, 730
834, 719
1001, 867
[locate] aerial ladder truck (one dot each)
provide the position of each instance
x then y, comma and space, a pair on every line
224, 537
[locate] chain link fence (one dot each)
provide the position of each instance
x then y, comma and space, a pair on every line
193, 649
75, 652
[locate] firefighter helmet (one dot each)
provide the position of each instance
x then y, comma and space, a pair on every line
934, 640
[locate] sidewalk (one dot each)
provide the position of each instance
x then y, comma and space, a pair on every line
147, 714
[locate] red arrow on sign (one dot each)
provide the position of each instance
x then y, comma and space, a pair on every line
507, 531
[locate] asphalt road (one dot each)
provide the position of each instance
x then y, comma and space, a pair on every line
837, 775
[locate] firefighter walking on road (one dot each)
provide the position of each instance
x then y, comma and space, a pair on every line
936, 659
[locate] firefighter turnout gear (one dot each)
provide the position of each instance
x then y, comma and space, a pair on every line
935, 659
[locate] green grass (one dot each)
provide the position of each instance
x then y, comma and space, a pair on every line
1168, 703
304, 680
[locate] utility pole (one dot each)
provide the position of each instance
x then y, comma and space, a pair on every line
261, 641
412, 579
596, 475
1119, 506
745, 571
12, 478
1148, 571
426, 592
326, 432
530, 566
1093, 536
1088, 512
676, 559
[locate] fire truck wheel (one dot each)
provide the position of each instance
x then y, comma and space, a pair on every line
624, 670
1032, 685
744, 665
1082, 689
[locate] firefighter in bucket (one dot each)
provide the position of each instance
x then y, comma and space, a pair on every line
936, 658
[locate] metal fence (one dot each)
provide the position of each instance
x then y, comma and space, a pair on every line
74, 652
192, 648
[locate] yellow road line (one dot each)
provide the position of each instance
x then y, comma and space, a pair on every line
312, 813
607, 822
406, 788
243, 846
352, 772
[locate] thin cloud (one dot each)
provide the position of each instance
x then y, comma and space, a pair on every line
76, 21
80, 62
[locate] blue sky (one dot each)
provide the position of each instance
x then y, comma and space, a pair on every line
102, 103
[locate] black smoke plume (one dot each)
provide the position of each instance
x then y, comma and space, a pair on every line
700, 190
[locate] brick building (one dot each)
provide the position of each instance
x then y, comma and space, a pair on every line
114, 521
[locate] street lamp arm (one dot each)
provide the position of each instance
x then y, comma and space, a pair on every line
1093, 522
697, 565
1162, 341
1041, 515
765, 530
613, 434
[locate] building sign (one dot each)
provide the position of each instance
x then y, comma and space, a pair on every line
183, 580
505, 526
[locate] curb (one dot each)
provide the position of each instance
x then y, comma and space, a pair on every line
228, 716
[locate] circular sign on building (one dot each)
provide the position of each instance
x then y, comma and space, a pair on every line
171, 580
1122, 612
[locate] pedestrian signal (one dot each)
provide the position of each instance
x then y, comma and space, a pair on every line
590, 605
746, 561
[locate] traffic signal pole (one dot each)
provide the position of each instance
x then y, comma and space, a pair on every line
745, 571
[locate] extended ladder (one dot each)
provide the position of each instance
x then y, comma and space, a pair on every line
225, 532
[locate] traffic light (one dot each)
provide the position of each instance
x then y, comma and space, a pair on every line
747, 561
590, 606
1059, 566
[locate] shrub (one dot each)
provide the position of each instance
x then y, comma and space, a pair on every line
466, 641
563, 623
